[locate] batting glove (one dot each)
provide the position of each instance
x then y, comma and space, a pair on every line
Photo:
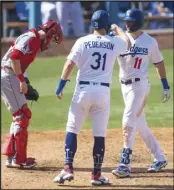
166, 92
166, 95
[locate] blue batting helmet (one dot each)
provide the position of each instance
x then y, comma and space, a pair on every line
137, 16
100, 20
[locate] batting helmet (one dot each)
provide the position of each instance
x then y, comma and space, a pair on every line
137, 16
53, 32
100, 20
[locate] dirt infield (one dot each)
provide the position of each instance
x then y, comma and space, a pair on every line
48, 149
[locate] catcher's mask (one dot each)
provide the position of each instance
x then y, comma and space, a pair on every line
53, 33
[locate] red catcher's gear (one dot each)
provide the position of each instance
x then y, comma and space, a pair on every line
16, 144
53, 32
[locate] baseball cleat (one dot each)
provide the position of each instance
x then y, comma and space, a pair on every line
99, 180
157, 166
121, 171
65, 175
29, 164
8, 162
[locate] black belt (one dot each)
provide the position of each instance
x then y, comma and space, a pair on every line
130, 81
94, 83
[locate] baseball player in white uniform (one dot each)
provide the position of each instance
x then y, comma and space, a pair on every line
94, 55
48, 11
70, 11
135, 89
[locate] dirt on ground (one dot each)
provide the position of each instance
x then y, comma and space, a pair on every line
48, 149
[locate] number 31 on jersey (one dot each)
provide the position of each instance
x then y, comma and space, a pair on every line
100, 60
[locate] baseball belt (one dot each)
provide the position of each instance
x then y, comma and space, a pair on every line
94, 83
130, 81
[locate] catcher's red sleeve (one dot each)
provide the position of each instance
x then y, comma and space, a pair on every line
16, 54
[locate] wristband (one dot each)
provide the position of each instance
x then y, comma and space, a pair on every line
61, 85
21, 77
112, 33
165, 83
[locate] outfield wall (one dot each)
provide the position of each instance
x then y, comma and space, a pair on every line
164, 38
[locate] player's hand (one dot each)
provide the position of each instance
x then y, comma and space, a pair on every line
114, 27
59, 96
165, 95
23, 87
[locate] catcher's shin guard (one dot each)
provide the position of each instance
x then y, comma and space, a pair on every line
21, 139
8, 147
21, 134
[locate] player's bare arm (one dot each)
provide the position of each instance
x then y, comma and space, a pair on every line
67, 70
121, 33
160, 68
161, 71
66, 73
16, 66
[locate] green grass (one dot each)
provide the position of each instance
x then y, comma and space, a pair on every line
49, 113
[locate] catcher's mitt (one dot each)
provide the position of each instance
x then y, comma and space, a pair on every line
32, 93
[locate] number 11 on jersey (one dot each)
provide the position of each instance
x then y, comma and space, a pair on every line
138, 62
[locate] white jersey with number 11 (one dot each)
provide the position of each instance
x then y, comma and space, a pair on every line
134, 62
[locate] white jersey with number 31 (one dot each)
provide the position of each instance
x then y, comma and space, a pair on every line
95, 56
134, 62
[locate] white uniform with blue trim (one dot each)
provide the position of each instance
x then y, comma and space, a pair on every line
73, 11
134, 68
134, 63
94, 56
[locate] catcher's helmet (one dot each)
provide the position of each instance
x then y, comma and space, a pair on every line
137, 16
53, 32
100, 20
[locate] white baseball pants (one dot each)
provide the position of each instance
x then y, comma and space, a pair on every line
10, 91
135, 96
93, 100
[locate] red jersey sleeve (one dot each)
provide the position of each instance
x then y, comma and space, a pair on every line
16, 54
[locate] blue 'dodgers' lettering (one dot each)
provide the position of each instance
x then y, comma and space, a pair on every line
135, 51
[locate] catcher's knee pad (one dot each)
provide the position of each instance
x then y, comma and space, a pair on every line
8, 147
26, 111
21, 118
21, 140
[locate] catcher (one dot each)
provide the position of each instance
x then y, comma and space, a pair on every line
14, 88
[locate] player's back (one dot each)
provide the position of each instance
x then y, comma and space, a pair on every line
96, 57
